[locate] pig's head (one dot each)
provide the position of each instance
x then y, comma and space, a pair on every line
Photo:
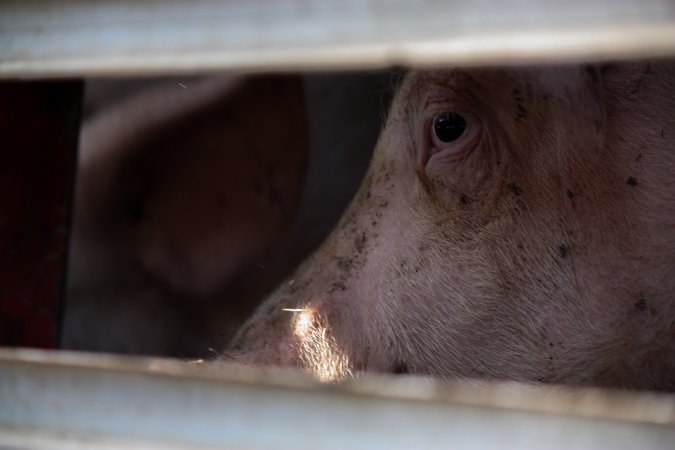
514, 224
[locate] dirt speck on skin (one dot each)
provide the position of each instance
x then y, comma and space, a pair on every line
638, 84
337, 286
345, 264
297, 287
360, 242
563, 250
590, 71
515, 189
520, 105
640, 305
631, 181
401, 367
522, 112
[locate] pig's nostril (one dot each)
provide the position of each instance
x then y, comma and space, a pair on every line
449, 126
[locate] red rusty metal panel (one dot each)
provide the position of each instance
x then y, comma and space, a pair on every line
39, 124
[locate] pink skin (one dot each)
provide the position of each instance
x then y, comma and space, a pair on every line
539, 246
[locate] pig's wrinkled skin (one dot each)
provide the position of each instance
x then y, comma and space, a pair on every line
539, 246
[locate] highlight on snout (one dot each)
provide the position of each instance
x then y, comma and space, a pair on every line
318, 350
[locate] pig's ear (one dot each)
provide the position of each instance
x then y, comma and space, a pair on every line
230, 189
205, 183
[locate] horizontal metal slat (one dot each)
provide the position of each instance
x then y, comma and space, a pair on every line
68, 400
122, 37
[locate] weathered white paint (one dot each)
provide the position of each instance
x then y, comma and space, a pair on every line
91, 37
68, 400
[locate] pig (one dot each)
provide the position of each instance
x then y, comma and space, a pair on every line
190, 175
159, 265
182, 186
514, 224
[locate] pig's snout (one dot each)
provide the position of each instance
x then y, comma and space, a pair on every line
301, 338
495, 237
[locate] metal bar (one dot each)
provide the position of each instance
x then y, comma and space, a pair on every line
40, 38
39, 124
67, 400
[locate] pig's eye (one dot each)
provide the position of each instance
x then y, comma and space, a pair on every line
449, 126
